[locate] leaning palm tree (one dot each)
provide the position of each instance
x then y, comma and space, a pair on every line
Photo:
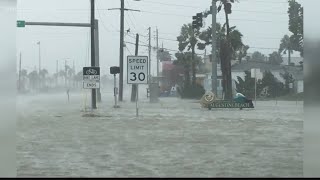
188, 39
286, 47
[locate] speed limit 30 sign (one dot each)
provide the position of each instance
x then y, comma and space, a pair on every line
137, 69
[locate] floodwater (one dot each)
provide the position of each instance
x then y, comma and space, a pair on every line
173, 138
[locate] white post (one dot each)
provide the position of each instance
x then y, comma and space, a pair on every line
137, 96
255, 86
115, 91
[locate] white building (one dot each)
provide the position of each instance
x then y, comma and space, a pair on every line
238, 69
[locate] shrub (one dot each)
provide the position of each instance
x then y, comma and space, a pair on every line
192, 92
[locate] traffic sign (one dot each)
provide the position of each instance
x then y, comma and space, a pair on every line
21, 23
91, 77
137, 69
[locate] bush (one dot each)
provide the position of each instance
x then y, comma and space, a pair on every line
192, 92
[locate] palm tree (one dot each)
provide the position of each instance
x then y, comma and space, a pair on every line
286, 47
188, 39
43, 73
33, 78
24, 76
225, 51
185, 59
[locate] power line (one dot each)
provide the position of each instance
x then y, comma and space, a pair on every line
132, 15
139, 39
180, 15
198, 7
103, 23
262, 48
109, 23
128, 50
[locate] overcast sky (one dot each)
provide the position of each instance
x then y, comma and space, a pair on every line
262, 23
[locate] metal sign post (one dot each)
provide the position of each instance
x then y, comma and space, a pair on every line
137, 105
115, 70
137, 73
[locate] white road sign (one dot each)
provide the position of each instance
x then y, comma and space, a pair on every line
137, 69
91, 77
91, 85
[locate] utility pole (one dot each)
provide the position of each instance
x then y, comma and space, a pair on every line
149, 49
137, 85
97, 55
157, 54
213, 53
93, 91
121, 51
134, 89
122, 9
19, 86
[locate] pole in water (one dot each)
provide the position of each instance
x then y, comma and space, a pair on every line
115, 92
137, 96
68, 91
255, 87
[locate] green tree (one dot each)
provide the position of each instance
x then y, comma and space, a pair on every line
43, 75
286, 47
185, 59
33, 79
288, 78
164, 55
275, 87
295, 12
188, 39
275, 58
79, 77
242, 52
23, 76
237, 48
258, 56
247, 86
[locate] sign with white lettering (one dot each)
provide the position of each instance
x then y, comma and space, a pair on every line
137, 69
91, 77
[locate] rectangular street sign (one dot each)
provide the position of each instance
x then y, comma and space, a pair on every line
21, 23
137, 69
91, 71
229, 104
91, 77
91, 85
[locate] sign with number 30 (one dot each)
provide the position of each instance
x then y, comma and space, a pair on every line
137, 67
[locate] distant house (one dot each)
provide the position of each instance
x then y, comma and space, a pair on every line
238, 70
294, 60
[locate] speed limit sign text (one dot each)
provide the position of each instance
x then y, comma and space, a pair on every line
137, 67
